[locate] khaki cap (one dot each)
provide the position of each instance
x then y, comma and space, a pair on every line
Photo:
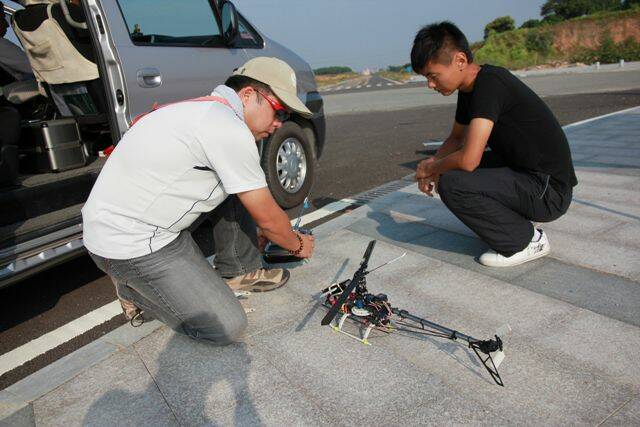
279, 76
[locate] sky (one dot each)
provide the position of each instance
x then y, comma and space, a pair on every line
371, 33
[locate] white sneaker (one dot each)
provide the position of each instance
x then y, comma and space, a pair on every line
535, 250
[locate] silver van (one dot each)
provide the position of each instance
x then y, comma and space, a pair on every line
102, 63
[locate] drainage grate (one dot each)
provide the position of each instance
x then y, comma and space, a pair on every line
383, 190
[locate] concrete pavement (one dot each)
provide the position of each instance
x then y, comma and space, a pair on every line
571, 357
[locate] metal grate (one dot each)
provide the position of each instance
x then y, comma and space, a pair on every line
383, 190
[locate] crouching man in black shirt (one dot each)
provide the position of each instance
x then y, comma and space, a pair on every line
526, 176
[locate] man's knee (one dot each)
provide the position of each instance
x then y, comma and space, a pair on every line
232, 329
216, 330
449, 184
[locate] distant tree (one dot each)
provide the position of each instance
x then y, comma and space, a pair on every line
531, 23
332, 70
567, 9
499, 25
539, 41
397, 68
628, 4
551, 19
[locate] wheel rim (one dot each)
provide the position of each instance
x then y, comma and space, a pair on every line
291, 165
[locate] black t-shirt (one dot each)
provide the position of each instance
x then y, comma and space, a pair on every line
525, 133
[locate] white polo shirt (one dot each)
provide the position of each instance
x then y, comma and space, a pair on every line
171, 166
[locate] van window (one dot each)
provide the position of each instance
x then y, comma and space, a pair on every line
248, 37
171, 23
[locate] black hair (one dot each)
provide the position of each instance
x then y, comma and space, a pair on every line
436, 42
238, 82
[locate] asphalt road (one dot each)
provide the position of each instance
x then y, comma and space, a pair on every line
364, 84
415, 95
363, 150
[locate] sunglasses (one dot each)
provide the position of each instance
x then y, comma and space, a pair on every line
281, 112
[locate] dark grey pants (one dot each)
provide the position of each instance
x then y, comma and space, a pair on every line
499, 203
177, 286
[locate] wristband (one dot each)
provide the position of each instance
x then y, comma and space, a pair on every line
297, 251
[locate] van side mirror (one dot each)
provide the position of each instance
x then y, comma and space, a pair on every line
229, 17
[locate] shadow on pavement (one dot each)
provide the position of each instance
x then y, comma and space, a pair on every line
185, 386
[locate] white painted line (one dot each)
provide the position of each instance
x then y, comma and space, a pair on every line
379, 84
358, 87
599, 117
432, 143
368, 86
34, 348
348, 87
329, 209
391, 80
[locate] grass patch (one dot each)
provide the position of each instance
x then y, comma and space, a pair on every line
399, 76
333, 79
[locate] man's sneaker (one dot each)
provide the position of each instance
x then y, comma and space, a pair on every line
261, 280
535, 250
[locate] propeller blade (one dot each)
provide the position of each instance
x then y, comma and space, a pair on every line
336, 307
357, 277
367, 255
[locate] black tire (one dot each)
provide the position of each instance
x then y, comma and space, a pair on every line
292, 132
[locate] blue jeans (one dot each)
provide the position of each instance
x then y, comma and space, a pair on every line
177, 286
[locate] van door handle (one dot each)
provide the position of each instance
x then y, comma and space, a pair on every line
149, 77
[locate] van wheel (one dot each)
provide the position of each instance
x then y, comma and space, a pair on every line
288, 161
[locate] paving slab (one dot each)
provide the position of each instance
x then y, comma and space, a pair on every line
606, 294
627, 234
17, 415
615, 197
237, 384
627, 415
43, 381
117, 391
348, 380
602, 149
594, 253
582, 220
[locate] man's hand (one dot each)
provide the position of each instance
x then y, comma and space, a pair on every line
262, 240
273, 222
429, 185
426, 177
308, 244
424, 168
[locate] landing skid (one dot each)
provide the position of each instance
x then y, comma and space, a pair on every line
340, 323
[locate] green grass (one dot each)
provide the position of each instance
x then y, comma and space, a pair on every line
511, 50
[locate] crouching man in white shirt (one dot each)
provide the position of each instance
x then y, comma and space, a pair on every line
176, 163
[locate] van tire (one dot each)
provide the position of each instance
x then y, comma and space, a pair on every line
287, 148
